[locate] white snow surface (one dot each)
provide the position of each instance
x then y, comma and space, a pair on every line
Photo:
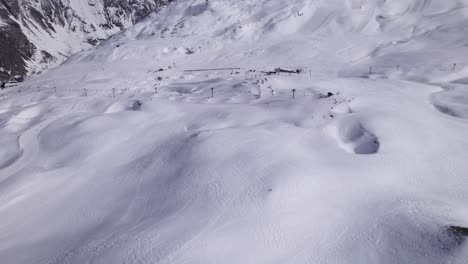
372, 174
84, 21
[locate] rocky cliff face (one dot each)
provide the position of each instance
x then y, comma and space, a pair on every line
36, 34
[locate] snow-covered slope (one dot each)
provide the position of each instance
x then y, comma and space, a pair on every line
39, 34
331, 38
124, 154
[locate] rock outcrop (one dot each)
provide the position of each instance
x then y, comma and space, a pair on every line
37, 34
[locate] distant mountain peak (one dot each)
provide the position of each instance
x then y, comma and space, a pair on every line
37, 34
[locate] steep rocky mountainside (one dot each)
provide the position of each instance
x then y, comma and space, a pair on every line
36, 34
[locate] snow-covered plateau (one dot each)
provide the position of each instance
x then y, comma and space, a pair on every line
254, 131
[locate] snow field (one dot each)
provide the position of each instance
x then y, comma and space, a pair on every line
373, 174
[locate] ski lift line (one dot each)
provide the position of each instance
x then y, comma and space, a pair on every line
215, 69
305, 70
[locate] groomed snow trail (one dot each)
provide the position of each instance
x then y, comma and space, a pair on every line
122, 155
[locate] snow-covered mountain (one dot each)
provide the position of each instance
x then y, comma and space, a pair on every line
271, 131
341, 38
36, 34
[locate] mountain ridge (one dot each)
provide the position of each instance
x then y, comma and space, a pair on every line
39, 34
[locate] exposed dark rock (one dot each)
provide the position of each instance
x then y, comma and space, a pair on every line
328, 95
452, 237
458, 231
4, 78
136, 105
15, 47
46, 57
24, 25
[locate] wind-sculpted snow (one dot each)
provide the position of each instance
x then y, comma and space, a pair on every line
453, 101
355, 138
246, 132
187, 177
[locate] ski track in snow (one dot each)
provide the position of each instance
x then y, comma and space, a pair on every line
108, 159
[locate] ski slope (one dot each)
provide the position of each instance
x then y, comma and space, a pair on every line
127, 154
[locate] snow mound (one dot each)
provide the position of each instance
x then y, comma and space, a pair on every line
355, 138
21, 119
10, 149
452, 102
